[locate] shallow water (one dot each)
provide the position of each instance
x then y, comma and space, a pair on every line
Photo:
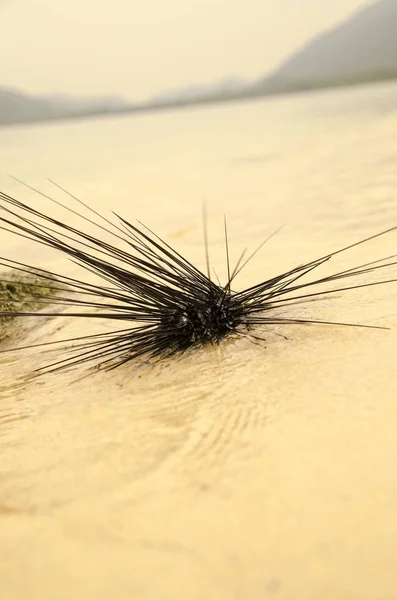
244, 471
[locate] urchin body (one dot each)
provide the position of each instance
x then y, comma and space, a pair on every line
197, 321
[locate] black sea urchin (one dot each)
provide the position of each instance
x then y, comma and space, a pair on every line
166, 304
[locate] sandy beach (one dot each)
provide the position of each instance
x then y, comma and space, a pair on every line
241, 471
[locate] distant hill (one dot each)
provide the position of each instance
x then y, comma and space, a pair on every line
362, 48
226, 87
17, 107
359, 50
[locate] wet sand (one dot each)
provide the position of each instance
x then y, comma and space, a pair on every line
241, 471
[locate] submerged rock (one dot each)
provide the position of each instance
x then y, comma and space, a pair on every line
21, 293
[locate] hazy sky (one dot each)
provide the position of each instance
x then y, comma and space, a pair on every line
139, 48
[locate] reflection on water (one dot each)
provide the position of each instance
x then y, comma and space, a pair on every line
233, 466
